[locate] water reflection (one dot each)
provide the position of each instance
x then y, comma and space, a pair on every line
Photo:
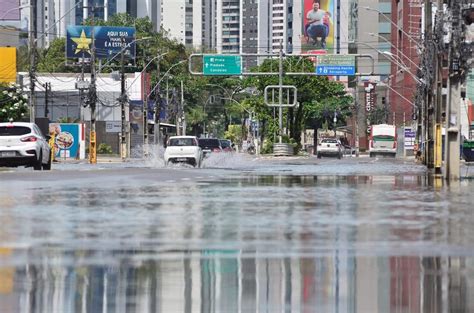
247, 243
220, 281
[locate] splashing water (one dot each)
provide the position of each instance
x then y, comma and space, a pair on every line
155, 156
228, 160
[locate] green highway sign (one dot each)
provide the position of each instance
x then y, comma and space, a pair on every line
335, 65
222, 64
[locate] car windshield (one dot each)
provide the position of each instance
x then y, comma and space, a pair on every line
225, 143
14, 131
182, 142
209, 143
329, 141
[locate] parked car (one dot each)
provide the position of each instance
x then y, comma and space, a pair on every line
210, 145
330, 147
23, 144
226, 145
183, 149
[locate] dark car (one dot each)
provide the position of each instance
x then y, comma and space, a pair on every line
226, 145
210, 145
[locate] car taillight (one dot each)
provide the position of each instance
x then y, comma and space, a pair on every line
216, 150
29, 139
371, 143
394, 145
337, 145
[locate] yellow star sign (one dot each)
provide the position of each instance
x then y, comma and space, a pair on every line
82, 42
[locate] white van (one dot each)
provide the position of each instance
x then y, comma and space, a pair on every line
383, 140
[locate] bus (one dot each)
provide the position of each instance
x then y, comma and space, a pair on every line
383, 140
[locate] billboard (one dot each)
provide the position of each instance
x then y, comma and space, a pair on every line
69, 140
108, 41
317, 29
7, 65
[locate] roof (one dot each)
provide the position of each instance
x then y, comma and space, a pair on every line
17, 124
173, 137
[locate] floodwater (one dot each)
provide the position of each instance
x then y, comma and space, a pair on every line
240, 234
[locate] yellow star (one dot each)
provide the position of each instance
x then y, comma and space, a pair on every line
82, 43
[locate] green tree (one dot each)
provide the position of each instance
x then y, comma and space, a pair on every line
13, 103
318, 98
53, 58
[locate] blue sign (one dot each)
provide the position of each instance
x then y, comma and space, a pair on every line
335, 70
107, 40
335, 65
67, 140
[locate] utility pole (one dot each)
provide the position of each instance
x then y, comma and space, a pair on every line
438, 79
182, 116
452, 142
145, 113
47, 89
93, 99
123, 99
156, 127
428, 105
356, 118
280, 92
32, 72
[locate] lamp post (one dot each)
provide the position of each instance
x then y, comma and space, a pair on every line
157, 117
395, 48
396, 26
230, 98
121, 50
390, 56
13, 9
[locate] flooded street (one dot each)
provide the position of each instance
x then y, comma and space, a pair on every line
241, 234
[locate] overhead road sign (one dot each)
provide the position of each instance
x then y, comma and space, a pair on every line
335, 65
200, 64
218, 64
107, 40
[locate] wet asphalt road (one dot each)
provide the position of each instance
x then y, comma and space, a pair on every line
241, 234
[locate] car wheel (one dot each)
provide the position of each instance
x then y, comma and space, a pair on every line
38, 163
47, 166
371, 154
339, 156
319, 155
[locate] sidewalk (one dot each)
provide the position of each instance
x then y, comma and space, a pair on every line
100, 159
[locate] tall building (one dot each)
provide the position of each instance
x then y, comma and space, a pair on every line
185, 21
406, 40
228, 26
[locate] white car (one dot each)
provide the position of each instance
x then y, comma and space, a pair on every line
330, 147
23, 144
183, 149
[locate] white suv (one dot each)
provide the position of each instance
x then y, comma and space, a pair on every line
183, 149
330, 146
23, 144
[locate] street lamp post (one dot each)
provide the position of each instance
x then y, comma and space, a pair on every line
389, 56
157, 118
419, 46
395, 48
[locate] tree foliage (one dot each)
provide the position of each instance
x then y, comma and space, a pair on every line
13, 103
318, 98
